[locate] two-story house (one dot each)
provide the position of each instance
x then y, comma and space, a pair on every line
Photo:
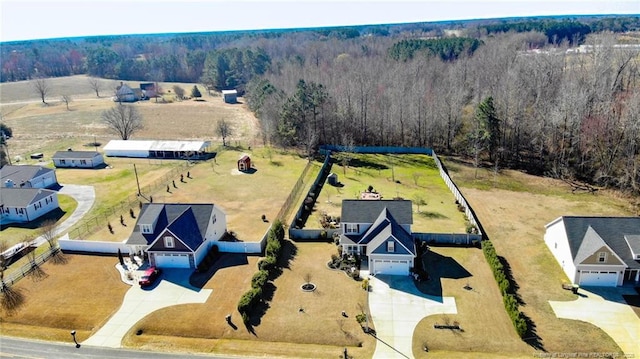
380, 232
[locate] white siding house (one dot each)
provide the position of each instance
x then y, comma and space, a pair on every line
27, 176
78, 159
23, 205
596, 251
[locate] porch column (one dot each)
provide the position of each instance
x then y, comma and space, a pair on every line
637, 275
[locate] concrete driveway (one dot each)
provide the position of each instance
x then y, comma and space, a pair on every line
396, 307
605, 308
173, 288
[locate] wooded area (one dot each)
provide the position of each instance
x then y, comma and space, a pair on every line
525, 98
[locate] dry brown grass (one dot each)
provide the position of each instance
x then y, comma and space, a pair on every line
514, 220
318, 332
80, 295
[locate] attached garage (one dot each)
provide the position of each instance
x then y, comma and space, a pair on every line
598, 278
389, 266
173, 260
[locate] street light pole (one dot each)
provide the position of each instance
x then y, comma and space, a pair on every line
73, 335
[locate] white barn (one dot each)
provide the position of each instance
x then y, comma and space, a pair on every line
230, 96
156, 149
77, 159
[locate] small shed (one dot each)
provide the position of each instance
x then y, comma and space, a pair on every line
244, 163
230, 96
332, 179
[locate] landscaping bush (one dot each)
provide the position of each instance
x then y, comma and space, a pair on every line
260, 279
267, 264
506, 288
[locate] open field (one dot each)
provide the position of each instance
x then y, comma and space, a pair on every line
406, 176
513, 207
65, 296
49, 128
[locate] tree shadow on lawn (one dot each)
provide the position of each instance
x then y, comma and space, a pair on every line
260, 309
513, 285
288, 252
438, 267
531, 337
223, 260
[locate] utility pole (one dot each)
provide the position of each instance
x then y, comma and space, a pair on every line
137, 181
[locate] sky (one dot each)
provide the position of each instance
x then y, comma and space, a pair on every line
29, 20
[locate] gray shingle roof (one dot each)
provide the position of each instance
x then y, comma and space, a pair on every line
22, 197
386, 228
75, 154
20, 174
367, 211
634, 243
611, 229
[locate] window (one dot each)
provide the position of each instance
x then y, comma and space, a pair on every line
602, 257
213, 219
555, 245
351, 228
146, 228
63, 162
168, 242
83, 162
391, 246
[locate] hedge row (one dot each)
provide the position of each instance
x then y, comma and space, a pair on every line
265, 268
506, 288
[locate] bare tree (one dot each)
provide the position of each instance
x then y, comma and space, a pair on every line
124, 120
41, 86
48, 232
66, 99
95, 84
179, 91
224, 130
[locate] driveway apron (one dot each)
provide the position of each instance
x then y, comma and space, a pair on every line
171, 289
396, 307
606, 309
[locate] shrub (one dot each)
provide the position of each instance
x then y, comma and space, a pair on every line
323, 235
361, 318
268, 263
278, 230
365, 284
273, 248
260, 279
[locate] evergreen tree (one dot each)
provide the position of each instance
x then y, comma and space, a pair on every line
195, 93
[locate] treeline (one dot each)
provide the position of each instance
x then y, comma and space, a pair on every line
573, 32
447, 49
564, 114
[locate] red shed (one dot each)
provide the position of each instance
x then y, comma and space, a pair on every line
244, 163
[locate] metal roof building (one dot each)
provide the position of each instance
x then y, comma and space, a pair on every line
156, 149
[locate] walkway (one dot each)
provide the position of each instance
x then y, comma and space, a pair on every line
396, 307
85, 196
172, 288
605, 308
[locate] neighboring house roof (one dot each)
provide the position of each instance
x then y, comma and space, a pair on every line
75, 154
362, 211
634, 243
152, 145
20, 174
229, 92
582, 232
384, 229
189, 222
22, 197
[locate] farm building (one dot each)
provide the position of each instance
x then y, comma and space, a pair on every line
244, 163
124, 93
230, 96
77, 159
23, 205
27, 176
157, 149
148, 90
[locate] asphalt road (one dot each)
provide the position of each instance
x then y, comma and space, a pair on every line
33, 349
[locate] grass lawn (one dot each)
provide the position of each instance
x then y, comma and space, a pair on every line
13, 234
411, 177
318, 332
65, 297
513, 208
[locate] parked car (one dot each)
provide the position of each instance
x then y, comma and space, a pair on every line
149, 276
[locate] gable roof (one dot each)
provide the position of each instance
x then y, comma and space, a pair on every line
386, 228
23, 173
75, 154
633, 241
189, 222
363, 211
23, 197
611, 230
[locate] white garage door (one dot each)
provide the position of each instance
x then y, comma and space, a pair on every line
393, 267
172, 261
600, 279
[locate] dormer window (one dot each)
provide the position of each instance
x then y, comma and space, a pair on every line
146, 228
391, 246
602, 257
